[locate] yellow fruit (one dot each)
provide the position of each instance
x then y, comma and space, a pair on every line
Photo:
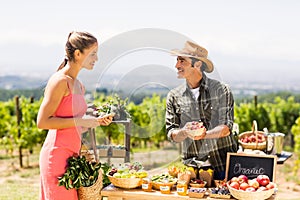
191, 169
210, 171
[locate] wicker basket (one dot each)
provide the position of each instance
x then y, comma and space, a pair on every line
89, 155
126, 183
92, 192
252, 145
243, 195
196, 195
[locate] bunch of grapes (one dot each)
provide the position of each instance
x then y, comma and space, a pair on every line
112, 171
223, 190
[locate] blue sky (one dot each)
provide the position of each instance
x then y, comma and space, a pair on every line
247, 40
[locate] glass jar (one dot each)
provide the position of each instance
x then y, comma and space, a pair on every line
182, 188
146, 185
165, 188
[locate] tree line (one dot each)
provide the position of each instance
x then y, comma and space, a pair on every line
147, 117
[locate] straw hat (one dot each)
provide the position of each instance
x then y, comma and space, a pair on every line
193, 50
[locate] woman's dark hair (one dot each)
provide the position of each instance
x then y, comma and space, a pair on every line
77, 40
203, 66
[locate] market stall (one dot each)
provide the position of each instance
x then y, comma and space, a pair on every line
259, 153
130, 181
259, 157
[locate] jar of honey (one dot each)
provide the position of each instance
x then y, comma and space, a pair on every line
165, 188
182, 188
146, 185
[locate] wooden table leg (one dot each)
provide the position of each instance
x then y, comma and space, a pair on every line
93, 141
127, 142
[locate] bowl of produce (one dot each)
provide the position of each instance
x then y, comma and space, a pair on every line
253, 139
251, 189
127, 175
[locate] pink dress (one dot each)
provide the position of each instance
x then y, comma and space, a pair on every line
58, 147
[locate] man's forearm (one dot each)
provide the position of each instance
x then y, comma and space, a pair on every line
178, 135
218, 132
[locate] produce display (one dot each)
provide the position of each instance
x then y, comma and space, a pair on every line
169, 182
257, 188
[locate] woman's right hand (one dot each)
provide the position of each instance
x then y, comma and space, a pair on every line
87, 122
92, 122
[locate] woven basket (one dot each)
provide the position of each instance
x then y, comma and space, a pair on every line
92, 192
89, 155
243, 195
127, 183
252, 145
196, 195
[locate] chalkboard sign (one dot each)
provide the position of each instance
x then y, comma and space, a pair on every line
250, 165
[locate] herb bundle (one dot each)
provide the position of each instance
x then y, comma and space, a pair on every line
79, 173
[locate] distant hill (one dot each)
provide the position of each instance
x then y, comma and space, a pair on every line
13, 82
133, 85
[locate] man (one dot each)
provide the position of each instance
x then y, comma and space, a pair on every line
200, 99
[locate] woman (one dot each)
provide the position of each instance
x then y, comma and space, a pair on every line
62, 112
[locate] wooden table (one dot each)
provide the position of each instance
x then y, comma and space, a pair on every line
114, 193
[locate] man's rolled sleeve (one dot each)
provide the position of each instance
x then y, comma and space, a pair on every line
172, 120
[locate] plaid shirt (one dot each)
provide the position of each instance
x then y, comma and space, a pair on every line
213, 107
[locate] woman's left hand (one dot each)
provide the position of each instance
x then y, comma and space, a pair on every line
105, 120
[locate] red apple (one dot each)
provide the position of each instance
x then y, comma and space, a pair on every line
271, 185
263, 180
234, 179
244, 186
243, 178
250, 189
261, 188
253, 183
235, 185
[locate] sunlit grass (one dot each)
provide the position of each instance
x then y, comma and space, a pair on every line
18, 190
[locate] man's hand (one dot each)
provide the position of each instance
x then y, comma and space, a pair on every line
178, 135
198, 137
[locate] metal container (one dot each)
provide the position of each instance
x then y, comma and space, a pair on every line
275, 143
